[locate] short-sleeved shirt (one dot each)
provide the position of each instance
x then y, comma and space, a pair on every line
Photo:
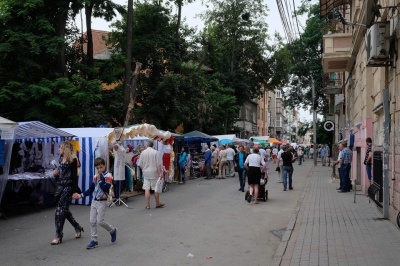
254, 160
230, 153
287, 158
149, 162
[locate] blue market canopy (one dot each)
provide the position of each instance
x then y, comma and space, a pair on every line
199, 136
37, 129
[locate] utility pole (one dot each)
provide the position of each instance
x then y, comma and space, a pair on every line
314, 124
386, 143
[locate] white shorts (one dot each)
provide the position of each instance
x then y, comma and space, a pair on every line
149, 184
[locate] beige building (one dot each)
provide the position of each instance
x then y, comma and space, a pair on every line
354, 60
276, 114
262, 115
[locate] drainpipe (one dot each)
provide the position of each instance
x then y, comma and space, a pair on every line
386, 143
314, 125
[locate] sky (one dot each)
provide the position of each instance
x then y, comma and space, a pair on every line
190, 11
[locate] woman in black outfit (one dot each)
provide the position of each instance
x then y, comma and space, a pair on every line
67, 183
253, 165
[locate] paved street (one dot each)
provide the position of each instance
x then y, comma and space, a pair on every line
333, 230
203, 217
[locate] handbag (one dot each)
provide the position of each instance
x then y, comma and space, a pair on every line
159, 185
262, 182
278, 168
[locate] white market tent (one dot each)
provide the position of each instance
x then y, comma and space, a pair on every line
34, 131
229, 136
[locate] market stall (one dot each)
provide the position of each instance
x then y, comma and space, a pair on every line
28, 149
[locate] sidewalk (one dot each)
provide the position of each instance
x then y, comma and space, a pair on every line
328, 228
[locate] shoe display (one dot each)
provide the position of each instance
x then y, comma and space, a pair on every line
92, 244
113, 235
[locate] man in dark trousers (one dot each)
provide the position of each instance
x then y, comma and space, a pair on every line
207, 161
287, 160
239, 159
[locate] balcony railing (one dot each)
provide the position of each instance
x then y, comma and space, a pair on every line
332, 83
337, 55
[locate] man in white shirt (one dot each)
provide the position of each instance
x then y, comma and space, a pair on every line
230, 154
268, 153
280, 173
274, 153
150, 164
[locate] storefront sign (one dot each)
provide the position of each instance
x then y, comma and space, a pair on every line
7, 133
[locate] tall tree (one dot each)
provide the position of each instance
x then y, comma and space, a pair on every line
236, 35
306, 67
99, 9
32, 87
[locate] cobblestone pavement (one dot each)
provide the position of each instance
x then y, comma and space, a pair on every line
328, 228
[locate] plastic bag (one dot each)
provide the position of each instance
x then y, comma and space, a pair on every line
110, 194
159, 185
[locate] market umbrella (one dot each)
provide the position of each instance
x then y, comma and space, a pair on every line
225, 141
284, 142
274, 141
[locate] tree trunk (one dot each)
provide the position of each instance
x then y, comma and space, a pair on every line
61, 25
132, 94
178, 23
89, 36
128, 67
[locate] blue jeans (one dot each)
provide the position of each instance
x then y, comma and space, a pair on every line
287, 171
242, 177
345, 172
368, 168
182, 169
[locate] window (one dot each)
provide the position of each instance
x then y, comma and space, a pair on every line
278, 94
254, 117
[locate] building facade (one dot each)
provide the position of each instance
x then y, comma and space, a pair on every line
362, 84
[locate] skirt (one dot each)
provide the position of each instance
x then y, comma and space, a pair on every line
166, 158
254, 175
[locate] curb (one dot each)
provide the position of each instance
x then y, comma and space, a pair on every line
277, 258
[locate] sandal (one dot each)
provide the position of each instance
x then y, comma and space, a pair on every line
78, 233
57, 240
147, 207
256, 202
161, 205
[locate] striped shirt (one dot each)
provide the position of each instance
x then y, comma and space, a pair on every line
369, 149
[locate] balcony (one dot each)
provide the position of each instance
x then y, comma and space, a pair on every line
339, 102
337, 55
332, 83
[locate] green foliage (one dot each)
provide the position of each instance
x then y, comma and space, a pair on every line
31, 88
306, 61
235, 44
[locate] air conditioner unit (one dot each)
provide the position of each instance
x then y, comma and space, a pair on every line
377, 45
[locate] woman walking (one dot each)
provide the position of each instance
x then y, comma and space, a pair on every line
253, 165
67, 183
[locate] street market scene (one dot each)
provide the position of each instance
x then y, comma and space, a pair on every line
240, 132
